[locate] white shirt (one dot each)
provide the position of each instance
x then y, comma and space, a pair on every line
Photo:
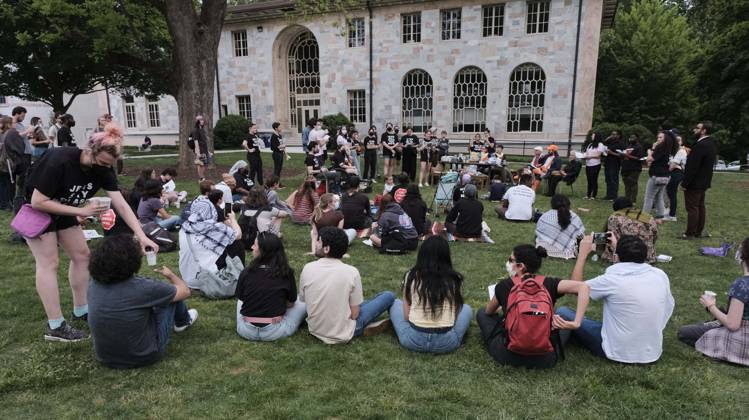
637, 304
593, 154
521, 199
680, 158
226, 190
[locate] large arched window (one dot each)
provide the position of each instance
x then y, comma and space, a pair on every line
525, 108
417, 100
469, 100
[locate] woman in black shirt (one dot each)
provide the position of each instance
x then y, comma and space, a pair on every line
278, 147
267, 306
370, 154
252, 146
409, 142
60, 185
523, 265
416, 209
389, 143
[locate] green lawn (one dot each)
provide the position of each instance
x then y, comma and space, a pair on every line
210, 372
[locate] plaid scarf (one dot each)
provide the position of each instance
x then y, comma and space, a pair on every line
204, 226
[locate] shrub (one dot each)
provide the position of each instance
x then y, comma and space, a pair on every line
332, 122
230, 131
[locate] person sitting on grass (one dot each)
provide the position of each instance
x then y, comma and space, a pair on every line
357, 212
401, 189
394, 231
727, 336
241, 173
267, 306
628, 220
522, 266
559, 229
416, 209
269, 218
637, 304
303, 202
332, 291
327, 215
131, 317
151, 207
272, 184
432, 317
517, 203
465, 220
497, 189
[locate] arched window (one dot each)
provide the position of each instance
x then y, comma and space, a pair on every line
469, 100
417, 100
525, 108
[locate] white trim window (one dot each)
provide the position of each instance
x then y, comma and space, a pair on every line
537, 19
525, 108
411, 27
130, 117
244, 106
357, 105
469, 100
450, 23
493, 20
356, 32
417, 94
239, 39
152, 103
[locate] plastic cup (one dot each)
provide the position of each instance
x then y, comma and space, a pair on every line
101, 201
710, 294
151, 258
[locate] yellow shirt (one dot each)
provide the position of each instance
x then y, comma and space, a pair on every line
422, 317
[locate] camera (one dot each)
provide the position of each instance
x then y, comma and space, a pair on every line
601, 238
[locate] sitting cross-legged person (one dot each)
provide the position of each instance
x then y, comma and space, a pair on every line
727, 336
637, 304
394, 231
132, 317
559, 229
332, 291
515, 338
465, 220
517, 203
357, 212
267, 305
432, 317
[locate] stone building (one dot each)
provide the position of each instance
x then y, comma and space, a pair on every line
456, 65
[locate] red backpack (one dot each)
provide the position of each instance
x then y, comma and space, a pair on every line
528, 317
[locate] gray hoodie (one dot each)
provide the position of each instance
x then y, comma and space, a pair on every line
394, 217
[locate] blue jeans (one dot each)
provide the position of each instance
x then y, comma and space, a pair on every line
589, 333
371, 309
166, 318
170, 223
611, 173
425, 342
272, 332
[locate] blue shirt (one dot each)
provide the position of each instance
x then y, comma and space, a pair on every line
740, 291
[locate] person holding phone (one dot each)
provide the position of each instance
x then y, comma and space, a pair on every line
61, 183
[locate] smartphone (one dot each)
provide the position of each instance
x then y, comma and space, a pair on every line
227, 210
601, 238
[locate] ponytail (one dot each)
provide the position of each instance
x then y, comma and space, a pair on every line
561, 204
325, 201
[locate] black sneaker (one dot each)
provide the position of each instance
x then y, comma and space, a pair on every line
83, 318
65, 334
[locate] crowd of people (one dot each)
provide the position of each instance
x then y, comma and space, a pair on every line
131, 317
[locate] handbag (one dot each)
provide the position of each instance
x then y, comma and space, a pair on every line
30, 223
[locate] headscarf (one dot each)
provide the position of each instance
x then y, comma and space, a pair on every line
237, 166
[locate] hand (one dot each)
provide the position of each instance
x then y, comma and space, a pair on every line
560, 323
707, 301
586, 246
165, 271
612, 241
147, 243
92, 208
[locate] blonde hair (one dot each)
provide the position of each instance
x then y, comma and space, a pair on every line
6, 123
326, 200
107, 141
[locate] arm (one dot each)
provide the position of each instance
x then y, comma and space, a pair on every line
354, 312
43, 203
582, 291
340, 224
164, 214
183, 292
586, 247
452, 215
231, 221
731, 320
492, 307
126, 213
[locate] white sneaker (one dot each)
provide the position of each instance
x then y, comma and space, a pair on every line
427, 184
193, 317
176, 204
182, 196
421, 185
367, 242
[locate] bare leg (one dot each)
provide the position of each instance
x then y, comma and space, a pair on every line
74, 244
201, 171
44, 249
376, 241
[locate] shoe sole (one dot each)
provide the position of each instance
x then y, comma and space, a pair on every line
377, 327
54, 339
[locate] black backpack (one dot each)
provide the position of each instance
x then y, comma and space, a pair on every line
248, 224
394, 242
191, 143
161, 236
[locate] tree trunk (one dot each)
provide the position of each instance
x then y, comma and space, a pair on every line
195, 34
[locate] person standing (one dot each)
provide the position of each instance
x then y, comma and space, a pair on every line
202, 155
39, 140
698, 174
64, 135
278, 146
305, 134
426, 148
409, 143
389, 142
612, 164
632, 167
676, 166
370, 154
7, 167
252, 146
53, 129
593, 150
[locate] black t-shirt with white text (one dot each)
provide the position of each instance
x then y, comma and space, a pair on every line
253, 142
60, 176
391, 139
370, 141
313, 161
339, 159
276, 141
409, 143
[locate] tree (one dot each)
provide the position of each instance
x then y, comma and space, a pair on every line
644, 74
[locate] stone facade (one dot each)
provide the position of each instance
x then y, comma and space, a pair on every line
263, 73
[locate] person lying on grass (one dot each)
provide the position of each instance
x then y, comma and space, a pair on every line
131, 317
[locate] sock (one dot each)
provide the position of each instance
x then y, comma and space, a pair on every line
80, 310
55, 323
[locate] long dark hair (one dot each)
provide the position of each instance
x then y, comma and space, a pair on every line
669, 142
595, 140
257, 198
384, 202
306, 190
412, 194
530, 256
152, 189
140, 183
561, 204
433, 278
272, 256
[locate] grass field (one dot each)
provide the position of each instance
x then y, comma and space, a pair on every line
210, 372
